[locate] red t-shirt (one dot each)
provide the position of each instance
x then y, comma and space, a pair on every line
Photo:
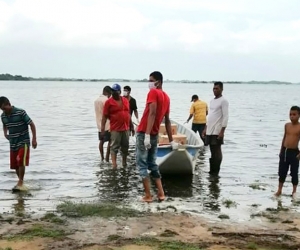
163, 108
117, 114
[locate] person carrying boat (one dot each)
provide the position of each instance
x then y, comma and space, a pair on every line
116, 109
199, 111
215, 127
99, 105
157, 108
15, 122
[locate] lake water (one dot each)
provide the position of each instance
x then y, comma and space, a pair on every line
66, 164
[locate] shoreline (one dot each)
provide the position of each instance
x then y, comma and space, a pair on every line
91, 226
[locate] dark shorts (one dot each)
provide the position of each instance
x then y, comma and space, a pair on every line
213, 140
106, 136
288, 160
19, 158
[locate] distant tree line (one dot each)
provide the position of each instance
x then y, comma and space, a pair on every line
8, 77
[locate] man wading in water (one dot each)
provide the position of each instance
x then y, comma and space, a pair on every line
215, 127
157, 108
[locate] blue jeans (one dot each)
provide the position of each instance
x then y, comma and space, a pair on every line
146, 159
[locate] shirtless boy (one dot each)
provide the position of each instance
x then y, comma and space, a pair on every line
289, 153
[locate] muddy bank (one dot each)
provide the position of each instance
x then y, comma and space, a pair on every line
95, 226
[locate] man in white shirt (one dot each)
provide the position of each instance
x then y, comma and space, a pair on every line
99, 105
215, 127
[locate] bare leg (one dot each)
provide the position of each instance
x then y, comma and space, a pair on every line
114, 160
101, 143
107, 152
294, 190
279, 191
21, 175
160, 190
146, 183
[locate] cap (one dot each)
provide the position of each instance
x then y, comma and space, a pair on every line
116, 87
194, 97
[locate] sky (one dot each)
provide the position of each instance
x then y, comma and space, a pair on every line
232, 40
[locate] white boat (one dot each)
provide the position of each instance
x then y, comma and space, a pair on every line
183, 160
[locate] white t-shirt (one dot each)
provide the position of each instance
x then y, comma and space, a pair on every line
99, 105
217, 116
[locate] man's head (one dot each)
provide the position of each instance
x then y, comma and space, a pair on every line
107, 91
126, 91
155, 80
294, 113
218, 89
194, 98
116, 91
5, 105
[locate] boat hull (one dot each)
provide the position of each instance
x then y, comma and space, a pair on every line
183, 160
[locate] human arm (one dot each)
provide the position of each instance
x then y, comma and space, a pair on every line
33, 131
136, 114
5, 130
192, 111
283, 139
98, 108
225, 115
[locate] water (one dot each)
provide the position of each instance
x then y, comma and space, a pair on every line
66, 164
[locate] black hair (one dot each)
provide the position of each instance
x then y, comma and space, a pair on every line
220, 84
4, 100
157, 76
295, 108
127, 88
107, 90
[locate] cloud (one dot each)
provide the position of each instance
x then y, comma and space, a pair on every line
184, 32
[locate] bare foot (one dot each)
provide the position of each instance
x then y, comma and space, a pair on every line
147, 199
161, 197
278, 193
114, 165
294, 196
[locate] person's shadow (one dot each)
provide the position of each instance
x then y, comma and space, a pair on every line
214, 192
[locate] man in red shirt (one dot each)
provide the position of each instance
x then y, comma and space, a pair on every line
157, 108
116, 109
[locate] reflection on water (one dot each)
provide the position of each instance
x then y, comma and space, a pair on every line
66, 164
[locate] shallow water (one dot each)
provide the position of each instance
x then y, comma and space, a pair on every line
66, 164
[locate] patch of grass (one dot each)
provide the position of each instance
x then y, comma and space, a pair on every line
251, 245
20, 214
255, 205
256, 186
113, 237
223, 216
37, 231
71, 209
229, 203
288, 222
53, 218
168, 233
7, 248
166, 245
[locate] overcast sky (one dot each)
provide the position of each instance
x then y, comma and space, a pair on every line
184, 39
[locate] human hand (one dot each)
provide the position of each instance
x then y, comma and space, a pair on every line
34, 143
6, 136
221, 135
174, 145
203, 133
138, 120
132, 132
147, 142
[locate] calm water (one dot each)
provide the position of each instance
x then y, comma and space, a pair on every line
66, 164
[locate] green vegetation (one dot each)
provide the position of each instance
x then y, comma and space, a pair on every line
53, 218
8, 77
166, 245
229, 203
251, 245
223, 216
7, 248
256, 186
71, 209
37, 231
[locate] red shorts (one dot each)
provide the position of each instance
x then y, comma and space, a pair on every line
19, 158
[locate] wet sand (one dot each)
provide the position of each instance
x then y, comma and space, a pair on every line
278, 229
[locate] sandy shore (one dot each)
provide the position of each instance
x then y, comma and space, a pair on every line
87, 229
